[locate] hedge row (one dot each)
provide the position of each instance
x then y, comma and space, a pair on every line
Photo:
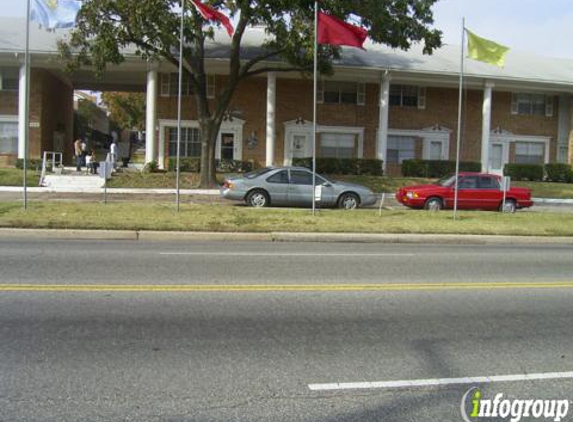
559, 173
435, 168
537, 172
31, 164
354, 166
193, 165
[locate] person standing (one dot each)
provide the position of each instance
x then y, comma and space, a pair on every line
78, 154
113, 153
84, 147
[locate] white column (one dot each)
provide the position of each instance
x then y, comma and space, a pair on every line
151, 115
382, 144
486, 126
271, 112
564, 126
22, 111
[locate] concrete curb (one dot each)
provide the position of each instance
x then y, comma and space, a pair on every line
12, 233
70, 234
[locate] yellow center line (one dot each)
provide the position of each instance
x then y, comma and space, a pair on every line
280, 287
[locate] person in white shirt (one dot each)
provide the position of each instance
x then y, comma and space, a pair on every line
113, 153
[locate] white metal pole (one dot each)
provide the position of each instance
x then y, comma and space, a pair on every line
459, 119
314, 108
179, 105
27, 106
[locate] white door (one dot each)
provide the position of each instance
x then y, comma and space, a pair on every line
497, 157
298, 147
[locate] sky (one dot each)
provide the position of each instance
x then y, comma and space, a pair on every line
542, 27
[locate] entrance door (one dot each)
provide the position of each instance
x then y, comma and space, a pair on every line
227, 146
497, 158
299, 147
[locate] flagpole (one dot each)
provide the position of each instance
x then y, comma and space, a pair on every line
459, 119
314, 108
177, 165
27, 105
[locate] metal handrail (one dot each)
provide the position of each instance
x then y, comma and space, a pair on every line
53, 158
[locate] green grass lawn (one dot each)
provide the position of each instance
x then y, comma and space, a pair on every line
195, 217
13, 177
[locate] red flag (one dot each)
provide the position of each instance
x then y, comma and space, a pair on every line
210, 13
335, 31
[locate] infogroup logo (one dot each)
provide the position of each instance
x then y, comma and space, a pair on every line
513, 410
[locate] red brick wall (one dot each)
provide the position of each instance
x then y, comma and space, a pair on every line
294, 100
51, 105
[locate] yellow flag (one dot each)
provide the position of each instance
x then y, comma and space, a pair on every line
485, 50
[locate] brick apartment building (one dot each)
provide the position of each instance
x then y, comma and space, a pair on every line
380, 103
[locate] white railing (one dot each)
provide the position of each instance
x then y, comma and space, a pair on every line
56, 158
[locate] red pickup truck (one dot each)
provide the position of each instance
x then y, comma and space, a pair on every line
475, 191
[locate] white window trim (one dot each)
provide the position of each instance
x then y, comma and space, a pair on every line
428, 135
291, 128
502, 136
235, 127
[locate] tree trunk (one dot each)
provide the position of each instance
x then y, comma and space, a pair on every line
209, 131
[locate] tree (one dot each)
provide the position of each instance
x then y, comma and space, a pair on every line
127, 109
105, 27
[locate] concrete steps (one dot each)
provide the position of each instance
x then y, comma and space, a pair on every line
73, 182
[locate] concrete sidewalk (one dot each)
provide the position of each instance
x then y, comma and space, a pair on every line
143, 235
110, 190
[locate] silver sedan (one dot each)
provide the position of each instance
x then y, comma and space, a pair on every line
292, 186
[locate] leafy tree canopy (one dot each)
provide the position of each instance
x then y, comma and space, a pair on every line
127, 109
107, 27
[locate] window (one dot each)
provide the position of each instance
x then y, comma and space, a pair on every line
8, 137
532, 104
400, 148
190, 142
338, 145
486, 182
468, 182
280, 177
529, 152
334, 92
170, 85
300, 177
9, 80
404, 95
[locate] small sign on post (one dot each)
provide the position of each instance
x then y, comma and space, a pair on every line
504, 187
104, 170
318, 193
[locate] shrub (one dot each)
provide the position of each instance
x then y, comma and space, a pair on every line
533, 172
151, 167
234, 166
31, 164
186, 164
436, 168
354, 166
559, 172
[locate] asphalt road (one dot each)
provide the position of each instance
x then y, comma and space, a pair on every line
151, 354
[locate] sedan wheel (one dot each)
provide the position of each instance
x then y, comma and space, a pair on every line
434, 204
510, 206
348, 201
258, 198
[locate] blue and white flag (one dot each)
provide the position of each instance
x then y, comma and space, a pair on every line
52, 14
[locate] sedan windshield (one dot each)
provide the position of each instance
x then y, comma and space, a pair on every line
257, 173
447, 181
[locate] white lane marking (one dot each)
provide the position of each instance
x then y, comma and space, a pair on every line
284, 254
439, 381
